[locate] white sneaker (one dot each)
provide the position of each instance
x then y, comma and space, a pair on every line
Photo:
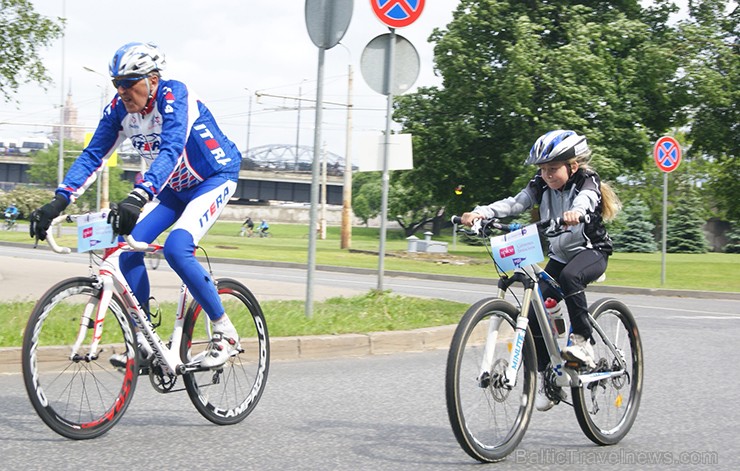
579, 350
219, 350
541, 401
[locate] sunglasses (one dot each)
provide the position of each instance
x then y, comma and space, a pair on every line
127, 82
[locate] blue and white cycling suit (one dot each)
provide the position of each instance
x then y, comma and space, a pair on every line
193, 169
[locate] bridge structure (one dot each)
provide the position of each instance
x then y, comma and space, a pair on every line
275, 172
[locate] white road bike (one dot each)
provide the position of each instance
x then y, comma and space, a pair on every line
81, 322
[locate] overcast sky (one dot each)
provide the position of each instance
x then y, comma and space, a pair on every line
220, 49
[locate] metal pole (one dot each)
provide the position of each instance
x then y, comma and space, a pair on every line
315, 185
298, 128
346, 242
322, 234
60, 163
664, 231
60, 169
249, 122
386, 151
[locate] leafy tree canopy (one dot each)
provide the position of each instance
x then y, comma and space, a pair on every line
23, 33
515, 70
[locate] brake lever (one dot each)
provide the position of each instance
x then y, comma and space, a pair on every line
555, 229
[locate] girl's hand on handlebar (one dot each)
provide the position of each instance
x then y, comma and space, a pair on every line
468, 219
571, 218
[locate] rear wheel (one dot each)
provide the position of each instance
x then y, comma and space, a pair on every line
228, 394
488, 417
76, 394
606, 409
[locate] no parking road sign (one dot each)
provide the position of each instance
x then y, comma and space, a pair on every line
667, 154
397, 13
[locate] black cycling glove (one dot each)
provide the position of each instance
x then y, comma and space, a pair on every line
41, 218
123, 216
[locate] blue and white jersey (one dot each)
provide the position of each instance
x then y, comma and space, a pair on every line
176, 135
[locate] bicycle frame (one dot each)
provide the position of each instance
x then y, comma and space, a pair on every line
112, 282
565, 376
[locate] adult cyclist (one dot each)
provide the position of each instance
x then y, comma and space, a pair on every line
11, 214
192, 172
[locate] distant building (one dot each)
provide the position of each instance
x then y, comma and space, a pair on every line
71, 131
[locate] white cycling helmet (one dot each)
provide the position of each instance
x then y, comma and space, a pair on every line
558, 145
136, 59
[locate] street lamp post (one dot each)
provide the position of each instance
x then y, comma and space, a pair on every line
249, 122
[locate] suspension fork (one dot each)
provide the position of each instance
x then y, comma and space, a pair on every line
517, 351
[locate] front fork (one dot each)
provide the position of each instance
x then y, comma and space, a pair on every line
517, 351
93, 317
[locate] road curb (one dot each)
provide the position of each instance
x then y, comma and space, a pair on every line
318, 347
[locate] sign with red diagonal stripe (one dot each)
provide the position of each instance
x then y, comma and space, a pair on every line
667, 153
397, 13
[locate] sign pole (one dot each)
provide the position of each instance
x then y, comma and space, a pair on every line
386, 151
315, 186
326, 21
667, 155
664, 231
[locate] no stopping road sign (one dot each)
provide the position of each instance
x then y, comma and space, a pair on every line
667, 153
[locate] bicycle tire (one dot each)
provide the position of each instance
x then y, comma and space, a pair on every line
78, 398
603, 412
227, 395
489, 421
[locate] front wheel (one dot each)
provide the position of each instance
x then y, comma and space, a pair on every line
488, 417
78, 395
228, 394
606, 409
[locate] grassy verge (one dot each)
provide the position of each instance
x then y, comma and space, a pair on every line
373, 312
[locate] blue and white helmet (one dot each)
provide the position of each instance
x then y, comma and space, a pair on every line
136, 59
557, 146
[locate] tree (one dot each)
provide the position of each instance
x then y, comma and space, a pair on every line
633, 231
515, 70
711, 72
733, 238
24, 32
684, 233
366, 195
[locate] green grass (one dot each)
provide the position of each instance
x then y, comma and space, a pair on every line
372, 312
289, 243
378, 312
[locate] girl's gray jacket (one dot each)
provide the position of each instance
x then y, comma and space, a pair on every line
581, 193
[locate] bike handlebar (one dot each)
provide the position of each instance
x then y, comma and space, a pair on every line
50, 235
130, 241
483, 227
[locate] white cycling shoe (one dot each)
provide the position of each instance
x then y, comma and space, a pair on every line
220, 349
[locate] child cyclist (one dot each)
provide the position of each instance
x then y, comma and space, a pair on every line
564, 186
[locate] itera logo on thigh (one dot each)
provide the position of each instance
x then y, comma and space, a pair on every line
217, 203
